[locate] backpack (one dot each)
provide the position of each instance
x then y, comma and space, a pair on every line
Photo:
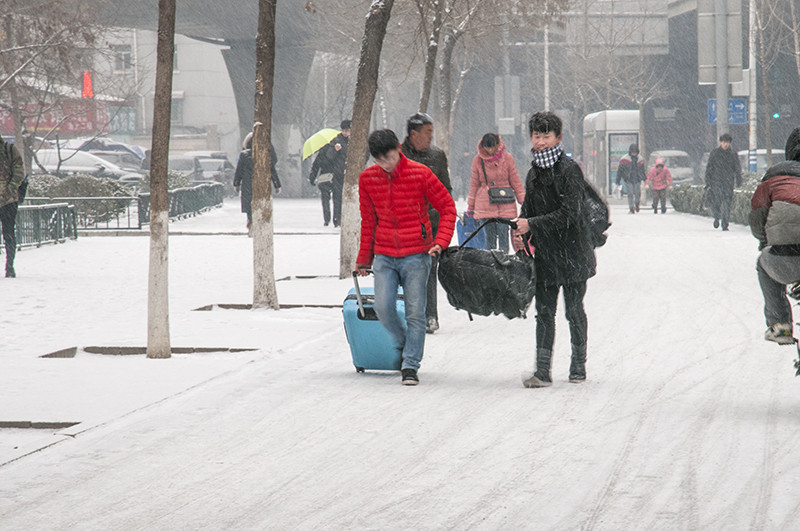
597, 221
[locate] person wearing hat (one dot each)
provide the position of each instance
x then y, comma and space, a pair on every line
332, 159
417, 147
659, 180
631, 170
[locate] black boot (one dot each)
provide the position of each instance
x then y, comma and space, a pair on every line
541, 378
577, 367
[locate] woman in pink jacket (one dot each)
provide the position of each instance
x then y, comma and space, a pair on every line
659, 179
494, 167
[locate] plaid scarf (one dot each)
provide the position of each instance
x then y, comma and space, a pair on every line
547, 158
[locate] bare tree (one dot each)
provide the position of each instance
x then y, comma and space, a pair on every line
433, 46
366, 87
158, 341
770, 36
265, 293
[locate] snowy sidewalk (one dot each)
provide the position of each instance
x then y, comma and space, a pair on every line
687, 420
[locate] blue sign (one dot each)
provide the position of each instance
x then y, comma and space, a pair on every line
737, 111
123, 120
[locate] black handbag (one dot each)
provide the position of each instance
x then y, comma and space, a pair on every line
498, 195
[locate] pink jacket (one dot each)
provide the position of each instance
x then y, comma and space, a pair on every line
659, 180
500, 172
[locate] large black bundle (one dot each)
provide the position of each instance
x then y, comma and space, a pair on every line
487, 282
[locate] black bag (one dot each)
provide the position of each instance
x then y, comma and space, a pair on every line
488, 282
498, 195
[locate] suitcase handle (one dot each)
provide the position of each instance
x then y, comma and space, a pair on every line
504, 221
358, 293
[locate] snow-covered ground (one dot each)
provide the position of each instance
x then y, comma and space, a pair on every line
688, 420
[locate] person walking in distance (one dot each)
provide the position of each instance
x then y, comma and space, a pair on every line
631, 170
659, 180
243, 178
417, 147
327, 173
552, 221
723, 172
12, 175
494, 167
397, 240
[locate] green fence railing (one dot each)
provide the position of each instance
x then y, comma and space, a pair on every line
51, 223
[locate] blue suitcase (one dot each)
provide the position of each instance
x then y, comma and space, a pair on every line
370, 344
465, 227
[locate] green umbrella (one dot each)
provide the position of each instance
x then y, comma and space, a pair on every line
316, 141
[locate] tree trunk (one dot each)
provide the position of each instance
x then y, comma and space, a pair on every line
430, 59
158, 342
445, 94
767, 116
11, 87
366, 87
265, 293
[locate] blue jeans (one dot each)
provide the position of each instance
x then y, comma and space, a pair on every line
411, 272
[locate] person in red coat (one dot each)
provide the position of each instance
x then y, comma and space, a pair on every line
397, 240
658, 180
494, 167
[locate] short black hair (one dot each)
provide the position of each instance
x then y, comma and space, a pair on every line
416, 121
725, 137
345, 124
792, 151
544, 122
633, 147
381, 142
490, 140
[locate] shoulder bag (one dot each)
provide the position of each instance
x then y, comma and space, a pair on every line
498, 195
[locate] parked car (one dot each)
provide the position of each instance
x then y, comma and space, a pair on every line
125, 160
103, 144
187, 166
207, 154
74, 161
679, 164
778, 155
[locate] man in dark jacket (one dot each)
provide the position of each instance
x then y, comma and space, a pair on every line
417, 147
553, 220
631, 170
332, 159
775, 221
722, 173
243, 178
12, 173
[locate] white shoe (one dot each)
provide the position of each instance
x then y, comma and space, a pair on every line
780, 333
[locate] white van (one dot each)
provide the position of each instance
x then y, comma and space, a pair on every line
778, 155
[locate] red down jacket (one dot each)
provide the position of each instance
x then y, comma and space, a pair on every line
394, 211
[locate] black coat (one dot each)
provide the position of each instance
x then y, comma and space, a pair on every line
722, 174
554, 209
329, 160
244, 176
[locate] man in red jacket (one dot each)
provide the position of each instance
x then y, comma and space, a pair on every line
398, 242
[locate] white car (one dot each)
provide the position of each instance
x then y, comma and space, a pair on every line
679, 164
778, 155
70, 161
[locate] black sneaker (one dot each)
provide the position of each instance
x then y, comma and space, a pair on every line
716, 223
410, 377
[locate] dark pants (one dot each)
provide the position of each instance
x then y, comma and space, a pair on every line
328, 191
546, 300
8, 218
662, 196
431, 311
774, 273
325, 192
496, 235
721, 208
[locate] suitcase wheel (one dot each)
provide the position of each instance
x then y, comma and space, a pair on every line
359, 369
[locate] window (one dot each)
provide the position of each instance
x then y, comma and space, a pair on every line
176, 114
175, 58
122, 57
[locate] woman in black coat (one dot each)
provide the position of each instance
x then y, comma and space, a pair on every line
243, 179
553, 220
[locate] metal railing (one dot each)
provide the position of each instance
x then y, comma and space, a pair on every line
185, 202
131, 213
38, 224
